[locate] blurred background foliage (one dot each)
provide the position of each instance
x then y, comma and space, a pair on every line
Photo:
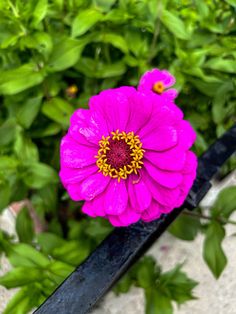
55, 54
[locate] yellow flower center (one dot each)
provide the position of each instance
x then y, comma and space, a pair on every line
158, 87
120, 155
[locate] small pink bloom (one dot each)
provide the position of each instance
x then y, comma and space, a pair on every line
128, 155
158, 82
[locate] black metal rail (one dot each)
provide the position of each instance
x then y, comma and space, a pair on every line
93, 278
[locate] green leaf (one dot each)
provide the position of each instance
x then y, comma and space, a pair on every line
5, 194
39, 12
58, 110
49, 130
92, 68
72, 252
213, 253
19, 303
40, 41
84, 21
202, 8
123, 285
25, 149
231, 2
20, 276
24, 226
157, 303
220, 64
225, 203
21, 78
113, 39
49, 241
137, 44
8, 163
185, 227
177, 285
207, 88
105, 5
46, 200
7, 132
146, 273
175, 25
118, 16
43, 43
219, 111
60, 269
65, 54
24, 255
28, 111
38, 175
95, 228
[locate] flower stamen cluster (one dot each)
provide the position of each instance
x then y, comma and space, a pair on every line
120, 155
158, 87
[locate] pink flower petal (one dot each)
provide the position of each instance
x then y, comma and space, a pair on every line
74, 155
88, 209
191, 163
94, 185
168, 78
96, 206
115, 221
140, 197
171, 160
186, 135
74, 175
74, 191
129, 216
165, 178
116, 197
148, 79
151, 77
164, 196
163, 115
114, 106
160, 139
152, 212
171, 94
90, 125
141, 109
189, 174
168, 112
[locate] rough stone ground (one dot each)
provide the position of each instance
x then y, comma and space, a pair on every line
215, 297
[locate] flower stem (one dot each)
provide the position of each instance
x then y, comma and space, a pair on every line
202, 216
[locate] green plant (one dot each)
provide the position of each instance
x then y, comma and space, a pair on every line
49, 46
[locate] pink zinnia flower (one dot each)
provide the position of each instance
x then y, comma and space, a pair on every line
128, 156
158, 82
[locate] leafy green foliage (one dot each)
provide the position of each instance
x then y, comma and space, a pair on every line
161, 289
221, 211
24, 226
48, 46
38, 269
212, 251
225, 203
185, 227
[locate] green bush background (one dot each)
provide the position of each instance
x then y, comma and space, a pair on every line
47, 46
